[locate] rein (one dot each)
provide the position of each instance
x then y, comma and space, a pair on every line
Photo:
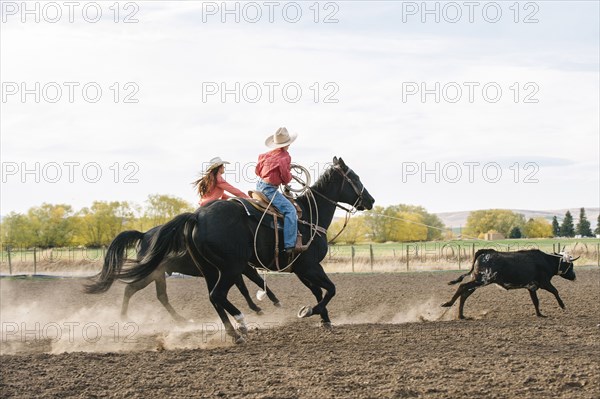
316, 229
349, 212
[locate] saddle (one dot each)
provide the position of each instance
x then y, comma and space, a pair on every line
257, 206
261, 202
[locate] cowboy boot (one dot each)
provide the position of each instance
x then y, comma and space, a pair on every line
299, 247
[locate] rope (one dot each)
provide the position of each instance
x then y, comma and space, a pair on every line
429, 226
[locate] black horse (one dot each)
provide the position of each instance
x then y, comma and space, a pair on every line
115, 258
220, 239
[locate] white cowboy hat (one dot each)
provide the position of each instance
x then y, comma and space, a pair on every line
215, 163
281, 138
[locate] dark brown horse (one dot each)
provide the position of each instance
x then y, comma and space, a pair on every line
220, 239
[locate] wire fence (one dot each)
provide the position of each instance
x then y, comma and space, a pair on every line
441, 255
394, 257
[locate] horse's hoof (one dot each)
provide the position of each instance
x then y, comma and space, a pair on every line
327, 325
243, 330
260, 295
305, 311
277, 304
260, 312
239, 340
446, 305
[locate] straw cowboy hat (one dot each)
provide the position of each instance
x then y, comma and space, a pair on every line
281, 138
215, 163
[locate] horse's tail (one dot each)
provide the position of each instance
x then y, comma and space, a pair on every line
113, 261
462, 276
170, 239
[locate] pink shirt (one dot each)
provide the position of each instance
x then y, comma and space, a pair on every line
274, 167
218, 192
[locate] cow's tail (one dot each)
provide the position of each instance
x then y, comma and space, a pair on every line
477, 255
113, 261
462, 276
170, 239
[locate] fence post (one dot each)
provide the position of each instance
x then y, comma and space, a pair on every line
9, 260
407, 262
371, 255
458, 256
598, 253
34, 261
473, 250
352, 252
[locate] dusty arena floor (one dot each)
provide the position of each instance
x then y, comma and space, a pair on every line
390, 339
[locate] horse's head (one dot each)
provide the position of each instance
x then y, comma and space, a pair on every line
352, 191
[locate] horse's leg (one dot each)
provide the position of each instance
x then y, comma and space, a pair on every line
239, 283
161, 293
318, 280
215, 284
131, 289
253, 275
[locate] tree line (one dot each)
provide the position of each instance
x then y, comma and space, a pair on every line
513, 225
58, 225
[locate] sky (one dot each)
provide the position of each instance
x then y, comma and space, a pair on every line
445, 105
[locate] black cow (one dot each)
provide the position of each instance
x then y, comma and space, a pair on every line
531, 269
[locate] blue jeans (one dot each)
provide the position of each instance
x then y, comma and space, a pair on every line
290, 221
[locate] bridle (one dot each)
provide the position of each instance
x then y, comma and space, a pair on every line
349, 212
357, 191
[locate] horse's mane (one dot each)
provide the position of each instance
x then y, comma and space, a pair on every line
321, 183
324, 179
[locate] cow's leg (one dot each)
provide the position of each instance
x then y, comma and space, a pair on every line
161, 294
461, 304
239, 283
550, 288
471, 285
536, 302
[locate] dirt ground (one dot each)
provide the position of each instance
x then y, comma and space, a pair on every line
391, 339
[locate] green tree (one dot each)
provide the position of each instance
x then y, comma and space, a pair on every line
566, 227
555, 227
500, 220
379, 223
435, 227
162, 208
100, 223
515, 232
584, 228
597, 231
51, 225
537, 228
402, 223
17, 230
355, 230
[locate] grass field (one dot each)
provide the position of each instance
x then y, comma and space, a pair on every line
388, 257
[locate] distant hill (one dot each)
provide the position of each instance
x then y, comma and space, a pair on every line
456, 219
